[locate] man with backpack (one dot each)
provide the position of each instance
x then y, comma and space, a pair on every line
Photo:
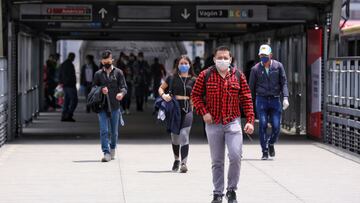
268, 83
225, 89
113, 86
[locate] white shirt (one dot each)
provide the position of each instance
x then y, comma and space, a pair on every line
89, 73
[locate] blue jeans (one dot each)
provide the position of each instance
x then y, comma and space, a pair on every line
71, 101
268, 110
109, 125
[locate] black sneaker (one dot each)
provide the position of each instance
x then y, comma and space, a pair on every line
71, 120
265, 156
271, 150
176, 165
231, 196
67, 120
217, 198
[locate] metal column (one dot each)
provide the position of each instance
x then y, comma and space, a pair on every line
13, 129
3, 101
1, 33
335, 28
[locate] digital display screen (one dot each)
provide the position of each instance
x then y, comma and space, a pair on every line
144, 12
55, 12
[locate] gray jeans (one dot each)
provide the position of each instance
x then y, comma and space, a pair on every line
218, 136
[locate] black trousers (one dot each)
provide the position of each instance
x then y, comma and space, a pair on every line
50, 98
126, 102
156, 88
140, 96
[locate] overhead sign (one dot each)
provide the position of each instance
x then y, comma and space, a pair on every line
144, 13
183, 14
213, 13
104, 13
108, 14
56, 12
231, 14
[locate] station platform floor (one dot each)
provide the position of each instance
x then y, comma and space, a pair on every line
57, 161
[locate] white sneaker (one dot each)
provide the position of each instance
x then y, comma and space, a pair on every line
112, 154
106, 158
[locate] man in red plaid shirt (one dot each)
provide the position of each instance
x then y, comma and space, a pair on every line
224, 94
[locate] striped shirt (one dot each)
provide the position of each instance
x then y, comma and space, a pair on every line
223, 96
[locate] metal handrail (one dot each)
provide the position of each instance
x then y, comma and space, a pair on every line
344, 58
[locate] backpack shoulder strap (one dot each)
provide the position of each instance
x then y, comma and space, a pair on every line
238, 76
207, 76
208, 73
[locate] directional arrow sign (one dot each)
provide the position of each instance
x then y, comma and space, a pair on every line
103, 12
185, 14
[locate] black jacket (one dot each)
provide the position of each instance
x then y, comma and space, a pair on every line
96, 100
67, 75
272, 84
142, 74
115, 83
51, 74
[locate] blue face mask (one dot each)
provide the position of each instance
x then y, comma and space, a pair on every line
184, 68
264, 59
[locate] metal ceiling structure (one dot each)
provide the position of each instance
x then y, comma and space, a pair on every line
171, 20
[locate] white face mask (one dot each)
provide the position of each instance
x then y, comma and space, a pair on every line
222, 65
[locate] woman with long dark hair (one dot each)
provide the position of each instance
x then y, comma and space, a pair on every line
179, 86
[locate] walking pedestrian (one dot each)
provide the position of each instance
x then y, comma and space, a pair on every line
225, 89
87, 74
125, 66
67, 79
179, 86
113, 84
51, 83
268, 84
158, 72
141, 81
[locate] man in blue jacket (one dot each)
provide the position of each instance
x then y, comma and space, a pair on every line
268, 84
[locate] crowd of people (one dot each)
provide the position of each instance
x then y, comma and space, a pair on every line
218, 91
142, 78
